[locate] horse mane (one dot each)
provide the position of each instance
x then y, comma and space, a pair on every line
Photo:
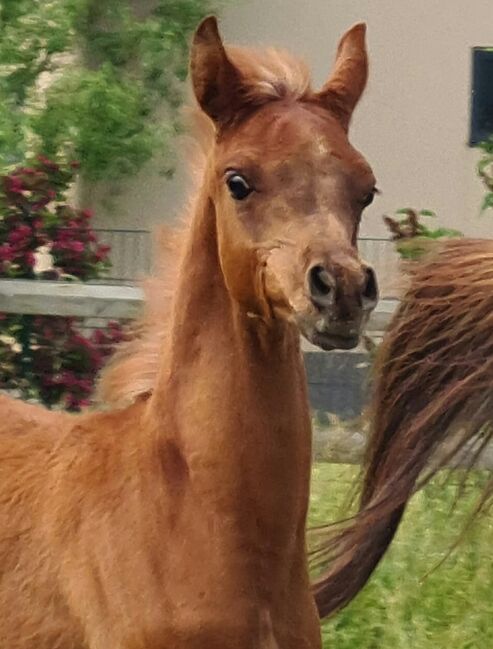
433, 397
268, 75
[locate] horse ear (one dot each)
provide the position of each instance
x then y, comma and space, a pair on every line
216, 81
345, 85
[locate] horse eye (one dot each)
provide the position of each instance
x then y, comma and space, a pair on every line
238, 187
368, 199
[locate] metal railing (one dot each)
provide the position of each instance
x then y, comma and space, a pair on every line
130, 254
132, 251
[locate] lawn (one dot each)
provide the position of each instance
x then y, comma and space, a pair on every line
452, 608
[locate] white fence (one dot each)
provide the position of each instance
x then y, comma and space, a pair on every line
39, 297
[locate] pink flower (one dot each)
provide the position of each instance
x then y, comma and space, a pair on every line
85, 385
78, 339
19, 234
63, 235
6, 252
14, 184
71, 402
68, 379
77, 246
99, 337
48, 333
101, 254
46, 162
40, 204
29, 259
87, 214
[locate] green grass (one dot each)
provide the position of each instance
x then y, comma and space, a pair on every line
452, 608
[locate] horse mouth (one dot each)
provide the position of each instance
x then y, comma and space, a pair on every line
329, 342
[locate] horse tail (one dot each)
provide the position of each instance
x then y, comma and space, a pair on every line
433, 398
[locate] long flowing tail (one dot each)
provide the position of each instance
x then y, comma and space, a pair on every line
432, 397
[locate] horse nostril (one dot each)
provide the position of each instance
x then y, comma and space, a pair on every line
320, 283
370, 287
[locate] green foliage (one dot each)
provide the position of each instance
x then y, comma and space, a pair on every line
403, 605
413, 238
113, 136
485, 172
406, 210
92, 80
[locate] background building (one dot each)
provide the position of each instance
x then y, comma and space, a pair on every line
412, 124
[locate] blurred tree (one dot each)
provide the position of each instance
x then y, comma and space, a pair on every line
95, 80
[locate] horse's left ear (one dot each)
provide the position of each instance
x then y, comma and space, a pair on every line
216, 81
345, 86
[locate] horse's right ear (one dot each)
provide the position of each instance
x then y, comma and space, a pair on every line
347, 82
216, 81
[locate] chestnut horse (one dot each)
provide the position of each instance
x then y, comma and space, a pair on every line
433, 395
177, 519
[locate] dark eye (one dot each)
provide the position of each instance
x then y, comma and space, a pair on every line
238, 187
368, 199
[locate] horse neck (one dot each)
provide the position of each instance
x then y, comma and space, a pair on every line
231, 396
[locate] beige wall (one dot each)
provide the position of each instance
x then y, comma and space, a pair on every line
413, 121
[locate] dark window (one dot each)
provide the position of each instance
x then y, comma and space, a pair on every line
482, 95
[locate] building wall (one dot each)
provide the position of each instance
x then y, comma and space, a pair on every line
412, 123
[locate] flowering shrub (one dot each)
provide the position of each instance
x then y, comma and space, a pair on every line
33, 216
48, 357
